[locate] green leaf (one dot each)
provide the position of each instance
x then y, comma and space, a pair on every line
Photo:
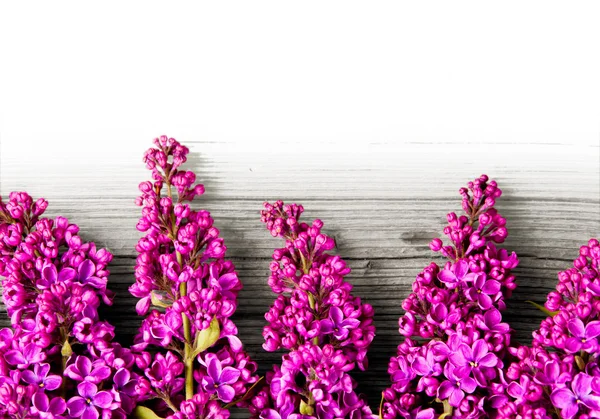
306, 409
207, 337
157, 301
141, 412
542, 309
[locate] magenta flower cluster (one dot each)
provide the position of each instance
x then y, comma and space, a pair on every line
560, 373
58, 359
451, 360
315, 317
181, 273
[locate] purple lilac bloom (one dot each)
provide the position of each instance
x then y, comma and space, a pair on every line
187, 292
53, 284
560, 372
315, 317
90, 402
219, 379
450, 362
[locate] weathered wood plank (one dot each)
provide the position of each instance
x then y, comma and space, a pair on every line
381, 203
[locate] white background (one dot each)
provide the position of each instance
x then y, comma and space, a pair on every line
372, 114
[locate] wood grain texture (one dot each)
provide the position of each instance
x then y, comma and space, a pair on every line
381, 200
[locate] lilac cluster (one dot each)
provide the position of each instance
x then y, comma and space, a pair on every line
326, 330
560, 373
451, 360
57, 360
181, 272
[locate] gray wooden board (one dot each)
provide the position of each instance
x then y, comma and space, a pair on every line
382, 203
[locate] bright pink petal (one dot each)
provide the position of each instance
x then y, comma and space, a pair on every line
468, 384
592, 329
488, 360
336, 315
15, 357
230, 375
52, 382
86, 269
576, 328
90, 413
461, 268
573, 345
562, 398
456, 397
446, 275
228, 281
226, 393
103, 399
213, 366
29, 377
57, 406
484, 301
87, 389
515, 390
66, 274
445, 389
420, 366
76, 405
491, 287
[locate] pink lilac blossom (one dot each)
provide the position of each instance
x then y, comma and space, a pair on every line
559, 375
326, 329
58, 359
450, 362
188, 292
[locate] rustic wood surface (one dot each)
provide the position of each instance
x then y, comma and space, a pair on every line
382, 201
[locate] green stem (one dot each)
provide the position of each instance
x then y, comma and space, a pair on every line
188, 359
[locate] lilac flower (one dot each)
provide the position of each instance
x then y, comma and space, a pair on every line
569, 400
50, 275
219, 379
46, 408
560, 371
53, 285
455, 387
482, 289
452, 321
474, 359
86, 275
82, 369
584, 335
492, 321
25, 356
188, 292
338, 325
326, 329
39, 376
124, 389
456, 274
226, 283
89, 401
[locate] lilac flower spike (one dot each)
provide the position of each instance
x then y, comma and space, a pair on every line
450, 362
187, 292
57, 352
326, 330
560, 372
